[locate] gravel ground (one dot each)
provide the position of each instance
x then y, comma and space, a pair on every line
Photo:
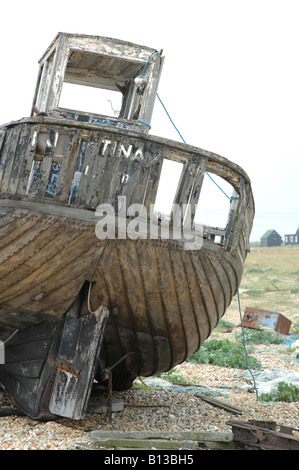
160, 410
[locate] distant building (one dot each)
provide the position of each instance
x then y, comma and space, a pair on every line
292, 238
271, 238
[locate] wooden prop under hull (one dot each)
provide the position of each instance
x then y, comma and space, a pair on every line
49, 370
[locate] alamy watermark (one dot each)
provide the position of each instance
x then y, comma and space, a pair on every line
134, 222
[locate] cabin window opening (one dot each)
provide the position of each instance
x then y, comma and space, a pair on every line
77, 172
168, 184
90, 99
213, 205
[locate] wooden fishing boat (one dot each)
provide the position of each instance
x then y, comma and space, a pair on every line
82, 299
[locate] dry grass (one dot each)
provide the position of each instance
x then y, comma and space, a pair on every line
270, 282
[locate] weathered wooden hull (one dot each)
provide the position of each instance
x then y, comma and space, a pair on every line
45, 259
163, 300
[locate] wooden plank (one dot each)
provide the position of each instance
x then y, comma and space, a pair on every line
205, 289
132, 176
42, 181
27, 357
231, 220
7, 156
220, 404
201, 314
189, 188
62, 254
120, 169
67, 166
238, 226
200, 436
150, 278
160, 444
171, 307
87, 174
9, 222
26, 170
216, 286
222, 276
52, 273
231, 274
76, 364
132, 281
190, 326
43, 238
18, 235
150, 175
57, 73
2, 137
98, 173
112, 286
111, 144
18, 160
162, 440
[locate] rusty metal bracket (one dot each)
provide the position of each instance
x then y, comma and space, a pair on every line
64, 365
266, 435
256, 318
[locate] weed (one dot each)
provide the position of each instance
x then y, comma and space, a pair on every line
223, 353
174, 375
285, 392
262, 336
223, 325
254, 292
295, 327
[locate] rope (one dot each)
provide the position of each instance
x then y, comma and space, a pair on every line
228, 197
171, 119
9, 338
146, 63
245, 349
143, 122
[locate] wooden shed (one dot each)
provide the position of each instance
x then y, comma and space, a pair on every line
271, 238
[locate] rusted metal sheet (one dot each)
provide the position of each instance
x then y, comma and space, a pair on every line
266, 435
256, 318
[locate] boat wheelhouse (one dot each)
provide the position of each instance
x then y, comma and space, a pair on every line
94, 281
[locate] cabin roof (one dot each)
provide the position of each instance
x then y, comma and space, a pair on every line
100, 61
269, 232
109, 65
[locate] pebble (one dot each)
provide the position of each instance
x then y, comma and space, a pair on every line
158, 410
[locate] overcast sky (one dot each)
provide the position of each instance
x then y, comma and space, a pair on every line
230, 79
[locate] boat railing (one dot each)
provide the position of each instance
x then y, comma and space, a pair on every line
103, 120
83, 165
